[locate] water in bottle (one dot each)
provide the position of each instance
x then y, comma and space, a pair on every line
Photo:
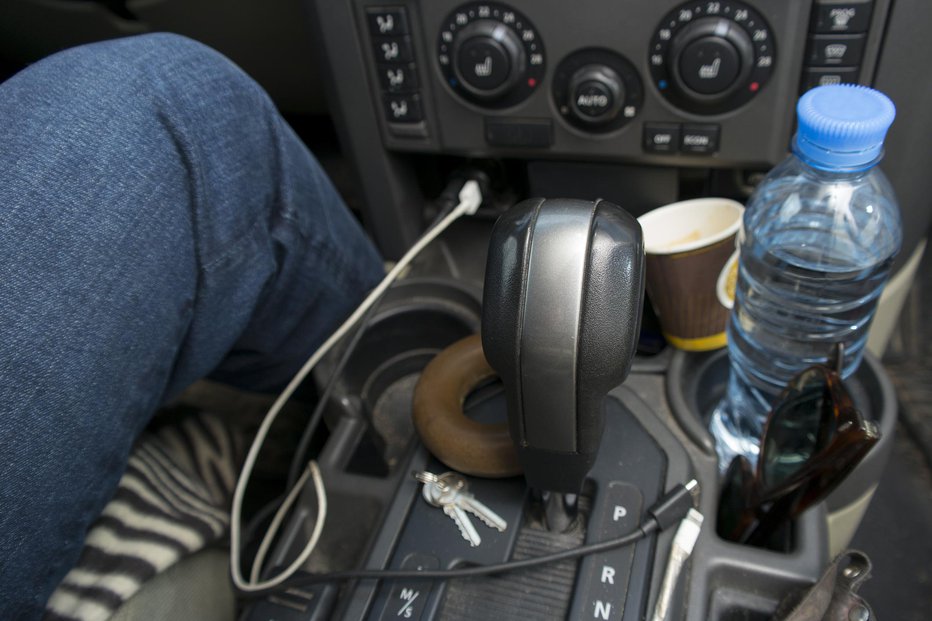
818, 241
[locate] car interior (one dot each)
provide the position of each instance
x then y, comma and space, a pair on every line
410, 105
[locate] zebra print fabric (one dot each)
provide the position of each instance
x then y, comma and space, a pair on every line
172, 501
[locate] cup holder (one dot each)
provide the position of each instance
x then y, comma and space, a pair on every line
415, 320
696, 382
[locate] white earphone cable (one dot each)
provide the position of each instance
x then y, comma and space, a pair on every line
470, 198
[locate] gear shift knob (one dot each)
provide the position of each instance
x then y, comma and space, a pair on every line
561, 313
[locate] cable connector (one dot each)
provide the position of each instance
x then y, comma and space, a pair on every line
674, 505
683, 543
470, 197
688, 532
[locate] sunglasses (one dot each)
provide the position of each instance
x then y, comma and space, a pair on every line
813, 438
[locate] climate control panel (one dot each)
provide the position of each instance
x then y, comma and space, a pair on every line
668, 82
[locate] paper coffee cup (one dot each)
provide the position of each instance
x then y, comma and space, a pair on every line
689, 279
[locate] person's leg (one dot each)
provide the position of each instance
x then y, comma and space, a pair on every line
158, 222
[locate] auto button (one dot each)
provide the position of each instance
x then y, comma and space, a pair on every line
596, 93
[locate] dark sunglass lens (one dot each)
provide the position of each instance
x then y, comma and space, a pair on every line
793, 430
736, 503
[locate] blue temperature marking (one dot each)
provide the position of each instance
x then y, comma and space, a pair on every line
662, 84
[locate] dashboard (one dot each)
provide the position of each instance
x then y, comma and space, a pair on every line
640, 102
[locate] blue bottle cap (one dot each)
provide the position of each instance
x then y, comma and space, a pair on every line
842, 126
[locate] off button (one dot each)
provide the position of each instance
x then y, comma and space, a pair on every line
661, 137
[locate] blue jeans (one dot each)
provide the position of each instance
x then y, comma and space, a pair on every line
159, 222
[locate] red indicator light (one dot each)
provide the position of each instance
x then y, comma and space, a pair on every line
531, 82
754, 87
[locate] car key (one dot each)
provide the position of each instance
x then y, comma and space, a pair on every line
440, 491
466, 501
448, 491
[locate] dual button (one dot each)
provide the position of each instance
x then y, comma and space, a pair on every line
692, 139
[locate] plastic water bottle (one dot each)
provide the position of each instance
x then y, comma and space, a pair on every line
819, 238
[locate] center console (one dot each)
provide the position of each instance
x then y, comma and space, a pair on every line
653, 438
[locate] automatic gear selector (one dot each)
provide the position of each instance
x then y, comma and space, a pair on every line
561, 312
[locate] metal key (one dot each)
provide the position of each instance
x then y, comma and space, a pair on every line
448, 491
439, 491
466, 501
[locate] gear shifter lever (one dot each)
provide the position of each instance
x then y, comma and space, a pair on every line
561, 313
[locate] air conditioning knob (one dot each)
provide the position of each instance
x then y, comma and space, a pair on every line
710, 59
596, 94
488, 59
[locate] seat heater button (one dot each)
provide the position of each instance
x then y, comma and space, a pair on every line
398, 77
387, 21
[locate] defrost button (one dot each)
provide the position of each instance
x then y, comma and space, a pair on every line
832, 50
824, 76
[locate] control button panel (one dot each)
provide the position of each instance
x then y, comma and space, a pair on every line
689, 139
711, 57
838, 33
395, 68
597, 90
490, 54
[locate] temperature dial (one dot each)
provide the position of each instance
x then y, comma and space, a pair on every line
711, 57
490, 54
